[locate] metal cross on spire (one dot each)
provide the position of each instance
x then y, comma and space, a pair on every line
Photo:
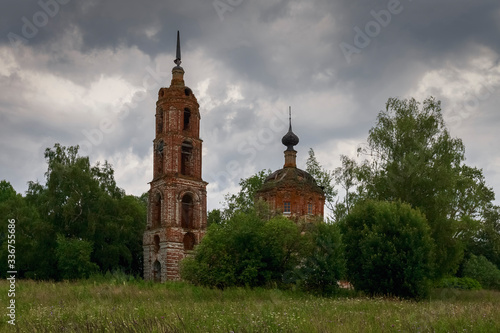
290, 139
177, 60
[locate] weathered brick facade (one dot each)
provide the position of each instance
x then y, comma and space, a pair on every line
177, 209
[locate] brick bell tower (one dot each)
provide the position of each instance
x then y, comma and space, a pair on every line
177, 208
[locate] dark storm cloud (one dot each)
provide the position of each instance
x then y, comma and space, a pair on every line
106, 24
272, 53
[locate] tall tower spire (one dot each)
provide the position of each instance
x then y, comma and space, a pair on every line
177, 60
178, 71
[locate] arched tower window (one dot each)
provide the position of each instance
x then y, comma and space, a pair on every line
156, 218
188, 241
159, 122
159, 151
156, 243
187, 119
186, 158
187, 212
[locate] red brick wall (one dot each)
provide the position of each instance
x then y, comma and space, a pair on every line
299, 199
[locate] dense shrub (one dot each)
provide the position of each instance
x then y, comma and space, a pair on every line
388, 249
481, 269
73, 258
324, 263
244, 251
464, 283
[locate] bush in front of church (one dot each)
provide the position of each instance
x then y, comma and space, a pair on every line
249, 251
388, 249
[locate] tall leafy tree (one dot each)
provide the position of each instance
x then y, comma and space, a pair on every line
33, 236
483, 237
81, 203
415, 159
324, 178
244, 200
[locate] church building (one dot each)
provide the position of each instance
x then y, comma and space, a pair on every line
177, 204
292, 191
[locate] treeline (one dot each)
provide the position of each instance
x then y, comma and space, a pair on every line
411, 215
76, 224
406, 216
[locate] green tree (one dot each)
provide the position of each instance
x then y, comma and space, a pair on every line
323, 264
347, 177
33, 236
81, 201
245, 251
414, 159
388, 249
214, 217
229, 255
284, 247
484, 239
323, 177
73, 258
244, 200
482, 270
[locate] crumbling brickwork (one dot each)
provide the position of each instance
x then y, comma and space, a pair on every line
177, 209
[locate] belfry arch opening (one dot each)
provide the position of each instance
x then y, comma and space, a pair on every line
187, 211
186, 158
156, 211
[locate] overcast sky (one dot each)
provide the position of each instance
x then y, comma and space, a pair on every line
88, 73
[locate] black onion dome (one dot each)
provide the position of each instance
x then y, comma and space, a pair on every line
290, 139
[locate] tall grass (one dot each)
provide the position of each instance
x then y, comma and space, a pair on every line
120, 304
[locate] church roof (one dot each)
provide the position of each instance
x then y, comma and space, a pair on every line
291, 177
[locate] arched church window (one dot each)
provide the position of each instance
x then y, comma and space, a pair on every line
156, 242
188, 241
187, 119
187, 212
186, 158
156, 218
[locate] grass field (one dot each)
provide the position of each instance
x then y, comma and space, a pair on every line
115, 305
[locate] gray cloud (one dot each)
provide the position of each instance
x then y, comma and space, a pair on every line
90, 61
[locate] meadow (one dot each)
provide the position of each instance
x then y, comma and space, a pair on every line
122, 305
